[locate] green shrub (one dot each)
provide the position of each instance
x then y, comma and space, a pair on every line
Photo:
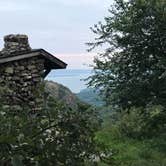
56, 136
135, 137
141, 122
131, 123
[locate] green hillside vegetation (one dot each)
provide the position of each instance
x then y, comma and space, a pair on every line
130, 139
58, 135
64, 95
130, 73
61, 93
90, 96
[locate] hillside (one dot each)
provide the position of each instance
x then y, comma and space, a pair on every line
64, 95
90, 96
61, 93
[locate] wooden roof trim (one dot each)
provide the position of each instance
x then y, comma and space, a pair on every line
15, 58
33, 53
53, 59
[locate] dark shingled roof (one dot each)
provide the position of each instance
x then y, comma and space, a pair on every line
51, 62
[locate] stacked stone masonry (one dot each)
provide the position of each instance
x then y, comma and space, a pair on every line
15, 44
22, 79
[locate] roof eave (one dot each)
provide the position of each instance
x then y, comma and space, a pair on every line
59, 63
55, 63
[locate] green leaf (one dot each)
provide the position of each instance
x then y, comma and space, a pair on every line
17, 160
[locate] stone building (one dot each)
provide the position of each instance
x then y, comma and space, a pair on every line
22, 71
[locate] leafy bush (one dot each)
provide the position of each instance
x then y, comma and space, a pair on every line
56, 136
135, 137
130, 69
142, 122
131, 123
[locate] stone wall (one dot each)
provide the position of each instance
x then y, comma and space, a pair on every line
15, 44
21, 80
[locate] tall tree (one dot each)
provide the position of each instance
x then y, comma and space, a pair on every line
132, 69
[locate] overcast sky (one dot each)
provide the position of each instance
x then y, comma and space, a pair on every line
59, 26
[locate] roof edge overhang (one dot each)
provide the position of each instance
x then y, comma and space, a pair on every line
54, 62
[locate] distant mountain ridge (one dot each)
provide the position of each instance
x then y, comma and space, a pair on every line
90, 96
71, 78
61, 93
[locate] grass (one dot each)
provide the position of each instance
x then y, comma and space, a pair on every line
132, 152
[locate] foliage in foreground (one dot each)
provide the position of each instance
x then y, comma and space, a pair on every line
131, 70
91, 96
132, 142
56, 136
131, 74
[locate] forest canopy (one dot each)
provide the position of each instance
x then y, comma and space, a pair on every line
131, 71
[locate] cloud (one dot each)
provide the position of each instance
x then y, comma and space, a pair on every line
17, 5
78, 61
11, 6
57, 25
84, 2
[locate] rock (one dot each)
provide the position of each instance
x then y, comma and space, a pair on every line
15, 43
5, 107
21, 68
9, 70
61, 93
23, 84
31, 67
